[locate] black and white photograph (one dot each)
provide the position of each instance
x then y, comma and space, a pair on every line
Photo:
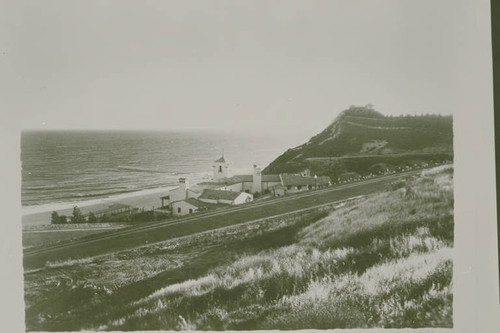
250, 165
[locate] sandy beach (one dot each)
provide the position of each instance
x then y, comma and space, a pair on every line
144, 199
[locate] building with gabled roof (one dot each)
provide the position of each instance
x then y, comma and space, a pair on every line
218, 195
225, 197
189, 206
254, 183
297, 183
260, 183
238, 189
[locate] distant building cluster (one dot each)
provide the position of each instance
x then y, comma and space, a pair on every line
236, 190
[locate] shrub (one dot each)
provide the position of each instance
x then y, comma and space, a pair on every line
54, 218
379, 168
58, 219
349, 176
92, 218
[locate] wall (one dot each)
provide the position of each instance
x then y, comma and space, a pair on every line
234, 187
243, 198
247, 186
268, 185
214, 201
177, 194
279, 192
208, 200
295, 189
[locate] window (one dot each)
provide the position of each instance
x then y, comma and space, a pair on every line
220, 168
288, 187
190, 211
178, 209
310, 187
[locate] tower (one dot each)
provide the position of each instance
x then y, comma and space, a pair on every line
183, 187
257, 180
220, 168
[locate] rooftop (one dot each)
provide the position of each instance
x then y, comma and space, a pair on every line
288, 180
221, 160
271, 178
219, 195
230, 180
197, 203
242, 179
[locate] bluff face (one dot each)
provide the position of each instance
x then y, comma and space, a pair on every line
362, 141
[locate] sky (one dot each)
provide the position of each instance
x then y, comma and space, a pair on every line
244, 66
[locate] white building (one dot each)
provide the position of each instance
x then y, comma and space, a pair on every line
237, 189
188, 206
260, 183
300, 183
254, 183
182, 192
225, 197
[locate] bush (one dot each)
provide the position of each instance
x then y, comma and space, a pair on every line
148, 216
349, 176
58, 219
54, 218
379, 168
92, 218
396, 185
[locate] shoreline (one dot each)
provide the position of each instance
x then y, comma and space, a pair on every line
35, 209
147, 199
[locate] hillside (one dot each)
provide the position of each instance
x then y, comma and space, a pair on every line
383, 260
360, 138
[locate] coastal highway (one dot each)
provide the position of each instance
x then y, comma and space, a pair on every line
108, 242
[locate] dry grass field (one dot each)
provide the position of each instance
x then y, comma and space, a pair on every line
41, 235
381, 261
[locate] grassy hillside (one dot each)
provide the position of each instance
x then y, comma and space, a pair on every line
361, 131
380, 261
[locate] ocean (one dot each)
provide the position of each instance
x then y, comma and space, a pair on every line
62, 168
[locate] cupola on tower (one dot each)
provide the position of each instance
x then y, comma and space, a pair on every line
220, 168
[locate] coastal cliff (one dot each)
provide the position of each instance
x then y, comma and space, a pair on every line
363, 140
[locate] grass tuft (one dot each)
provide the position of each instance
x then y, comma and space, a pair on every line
381, 261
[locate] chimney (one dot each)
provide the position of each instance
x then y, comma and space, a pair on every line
257, 180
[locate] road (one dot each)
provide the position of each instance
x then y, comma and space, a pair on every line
376, 156
108, 242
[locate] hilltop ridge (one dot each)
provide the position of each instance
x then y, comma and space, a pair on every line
363, 133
